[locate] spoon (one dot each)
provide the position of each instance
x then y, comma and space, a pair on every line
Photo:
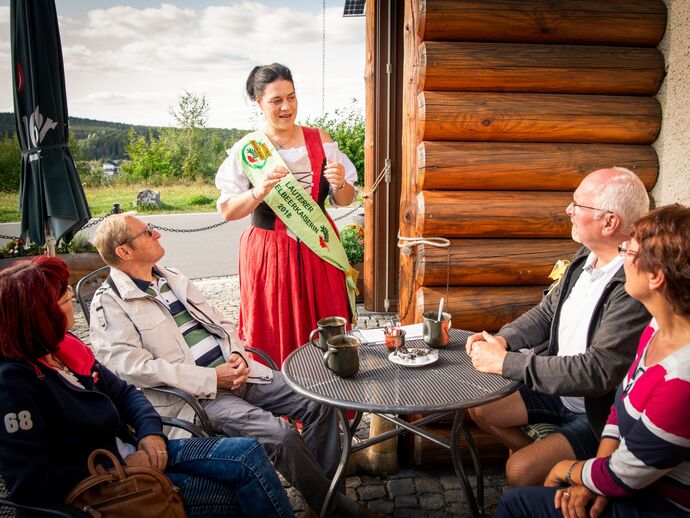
440, 310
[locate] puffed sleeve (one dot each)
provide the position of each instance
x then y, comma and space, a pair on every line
230, 179
333, 154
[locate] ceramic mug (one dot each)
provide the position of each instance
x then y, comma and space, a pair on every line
327, 328
435, 333
342, 356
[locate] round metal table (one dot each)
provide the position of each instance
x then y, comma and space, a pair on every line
448, 386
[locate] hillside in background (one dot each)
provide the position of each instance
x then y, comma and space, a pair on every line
105, 141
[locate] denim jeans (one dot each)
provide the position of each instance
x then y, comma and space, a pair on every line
537, 502
222, 476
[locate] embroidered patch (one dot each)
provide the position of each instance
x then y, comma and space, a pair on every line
19, 421
255, 154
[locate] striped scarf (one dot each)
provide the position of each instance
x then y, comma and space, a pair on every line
204, 346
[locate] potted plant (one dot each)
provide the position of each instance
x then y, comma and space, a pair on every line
352, 237
79, 254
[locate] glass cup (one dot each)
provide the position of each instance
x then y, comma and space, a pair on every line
393, 341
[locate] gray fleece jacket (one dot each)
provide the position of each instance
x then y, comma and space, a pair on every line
612, 338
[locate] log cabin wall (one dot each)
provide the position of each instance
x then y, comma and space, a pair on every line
507, 105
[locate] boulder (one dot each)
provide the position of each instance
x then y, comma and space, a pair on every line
148, 197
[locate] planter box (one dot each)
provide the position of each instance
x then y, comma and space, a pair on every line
79, 264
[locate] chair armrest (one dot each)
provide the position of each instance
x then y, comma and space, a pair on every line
192, 402
195, 430
265, 357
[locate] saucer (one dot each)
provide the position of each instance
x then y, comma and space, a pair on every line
414, 357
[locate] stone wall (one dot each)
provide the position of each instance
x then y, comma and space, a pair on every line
673, 144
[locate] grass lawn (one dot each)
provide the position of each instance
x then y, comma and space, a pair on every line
175, 198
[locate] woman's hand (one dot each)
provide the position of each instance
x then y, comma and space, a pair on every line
573, 501
157, 451
335, 174
270, 181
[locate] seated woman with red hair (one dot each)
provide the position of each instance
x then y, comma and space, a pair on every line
642, 467
58, 404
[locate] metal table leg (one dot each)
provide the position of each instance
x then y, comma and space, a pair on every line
477, 508
348, 433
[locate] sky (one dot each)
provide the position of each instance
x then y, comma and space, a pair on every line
129, 61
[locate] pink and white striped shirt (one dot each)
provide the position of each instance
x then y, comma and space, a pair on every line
650, 419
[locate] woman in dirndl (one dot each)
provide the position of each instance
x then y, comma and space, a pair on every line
286, 285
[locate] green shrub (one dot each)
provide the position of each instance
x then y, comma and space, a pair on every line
201, 199
18, 248
346, 127
352, 237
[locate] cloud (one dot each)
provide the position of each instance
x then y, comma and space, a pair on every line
123, 56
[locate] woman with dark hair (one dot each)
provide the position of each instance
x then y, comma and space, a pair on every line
642, 466
293, 268
58, 404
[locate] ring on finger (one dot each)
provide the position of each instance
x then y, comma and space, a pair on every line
565, 493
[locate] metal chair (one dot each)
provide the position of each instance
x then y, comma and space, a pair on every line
86, 288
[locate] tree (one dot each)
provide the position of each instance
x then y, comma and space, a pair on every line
148, 160
191, 111
195, 152
346, 127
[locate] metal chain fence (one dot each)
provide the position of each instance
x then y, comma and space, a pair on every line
116, 210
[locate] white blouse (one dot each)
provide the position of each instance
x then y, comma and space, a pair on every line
231, 180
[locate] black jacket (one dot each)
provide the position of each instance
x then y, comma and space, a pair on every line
612, 338
49, 426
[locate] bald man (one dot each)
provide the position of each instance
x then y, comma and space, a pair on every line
592, 328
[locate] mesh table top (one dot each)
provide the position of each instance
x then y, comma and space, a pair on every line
381, 386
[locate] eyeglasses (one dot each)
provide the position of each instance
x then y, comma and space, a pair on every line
69, 292
575, 204
624, 249
148, 231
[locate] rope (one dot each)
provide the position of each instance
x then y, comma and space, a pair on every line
406, 245
323, 59
371, 191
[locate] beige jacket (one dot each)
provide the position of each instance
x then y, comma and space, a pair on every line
135, 336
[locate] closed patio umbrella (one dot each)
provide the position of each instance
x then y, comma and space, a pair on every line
51, 198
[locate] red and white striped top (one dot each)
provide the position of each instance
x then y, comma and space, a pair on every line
650, 419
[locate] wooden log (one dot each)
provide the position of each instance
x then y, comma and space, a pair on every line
504, 67
493, 214
491, 262
517, 166
620, 22
537, 117
479, 308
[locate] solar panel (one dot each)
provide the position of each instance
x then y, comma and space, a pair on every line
354, 8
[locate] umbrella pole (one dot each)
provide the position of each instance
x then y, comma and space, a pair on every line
50, 239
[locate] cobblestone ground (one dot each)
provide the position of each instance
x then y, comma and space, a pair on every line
411, 492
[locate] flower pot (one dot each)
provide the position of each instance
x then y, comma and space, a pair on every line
79, 264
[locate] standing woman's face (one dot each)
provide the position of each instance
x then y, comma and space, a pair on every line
279, 104
66, 303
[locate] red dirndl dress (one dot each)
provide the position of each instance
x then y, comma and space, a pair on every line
285, 288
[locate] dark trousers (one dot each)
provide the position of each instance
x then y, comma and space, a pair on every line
537, 502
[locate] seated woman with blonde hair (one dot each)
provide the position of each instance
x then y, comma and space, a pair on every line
642, 467
58, 404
